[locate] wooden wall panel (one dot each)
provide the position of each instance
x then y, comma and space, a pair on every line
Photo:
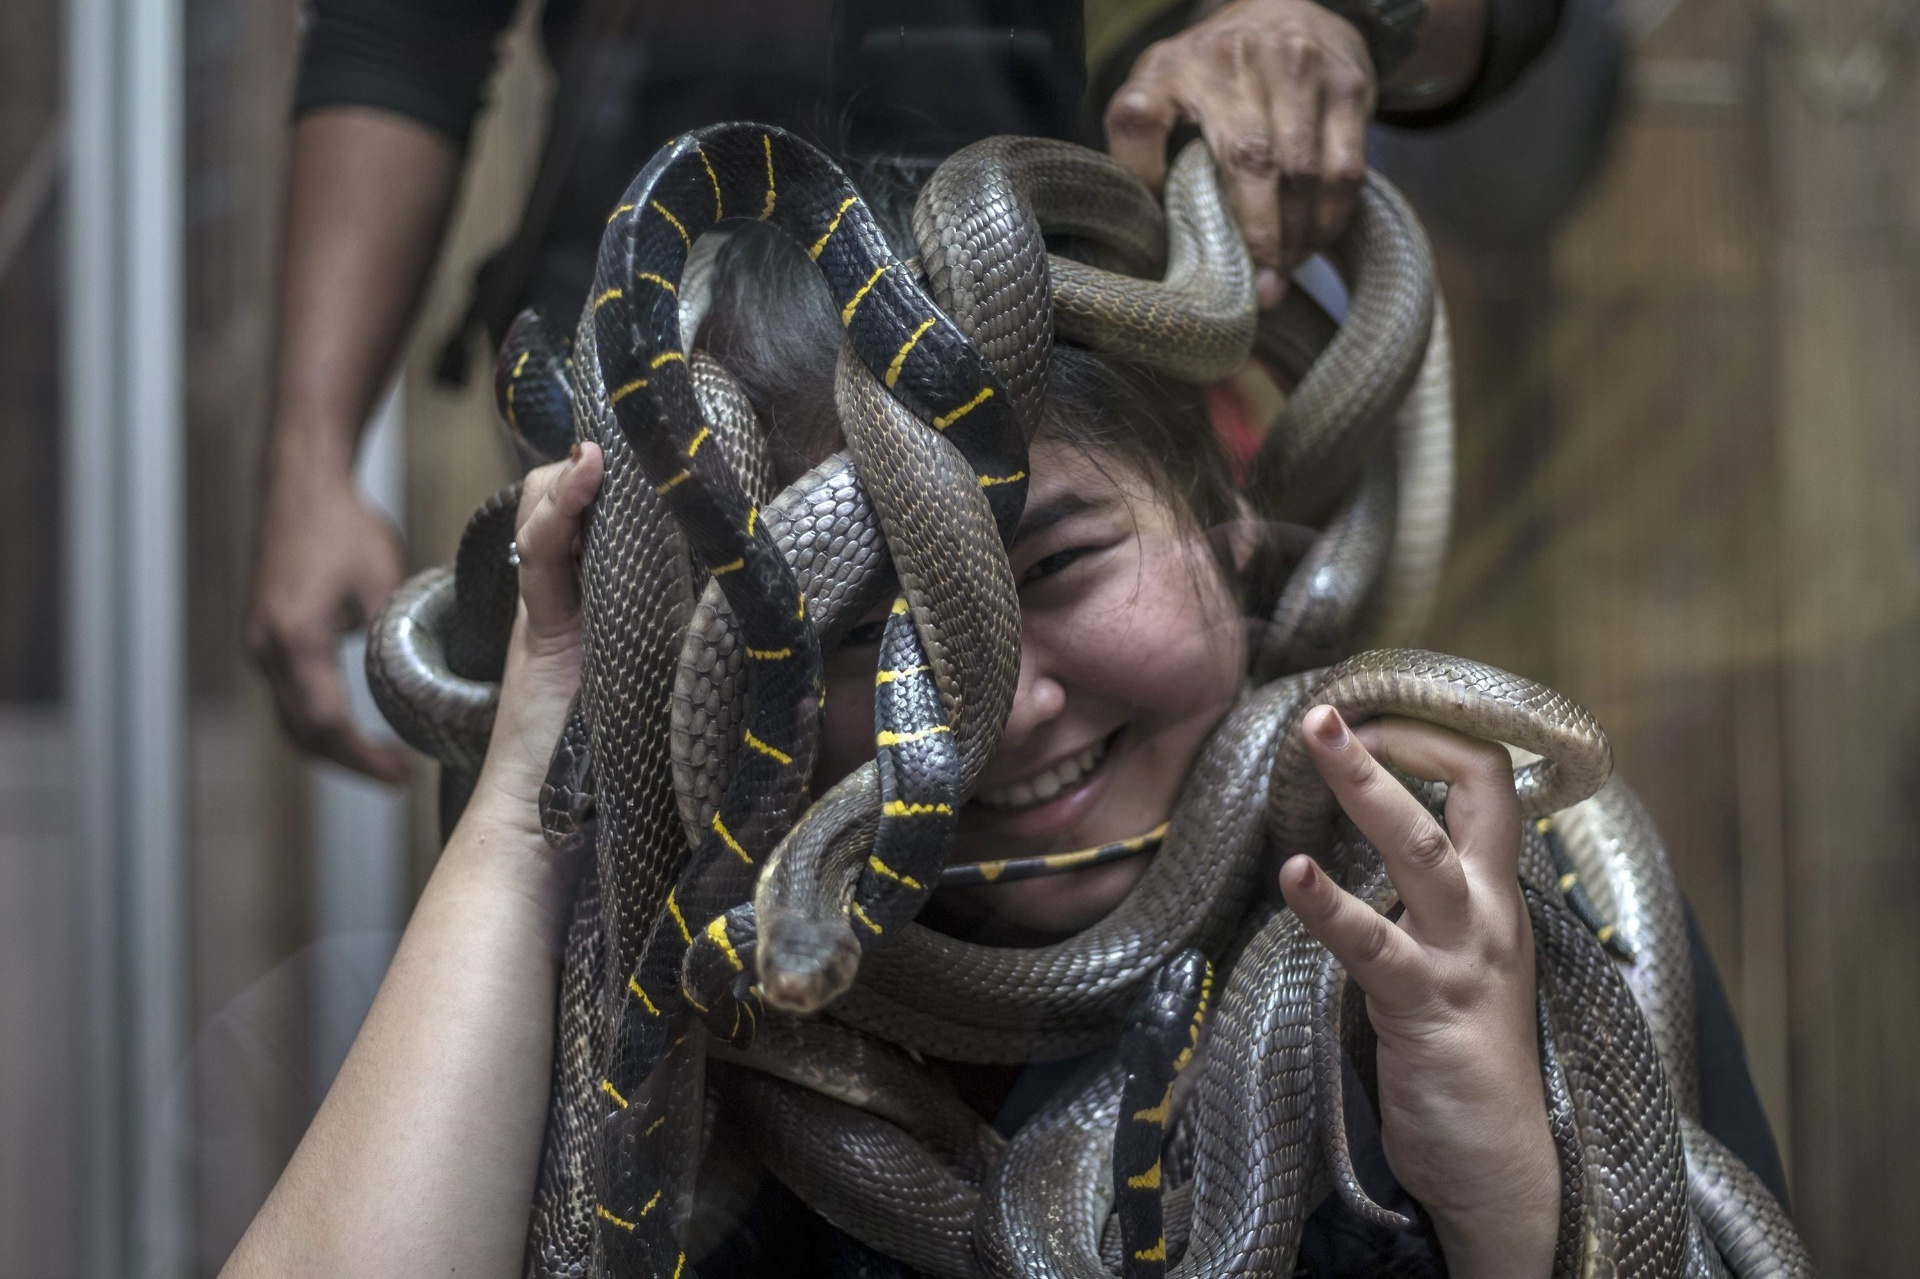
1662, 338
1849, 388
1691, 435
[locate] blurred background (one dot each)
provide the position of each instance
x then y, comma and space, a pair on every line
1690, 441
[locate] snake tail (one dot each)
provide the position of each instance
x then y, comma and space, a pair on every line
717, 976
1159, 1042
632, 1212
1329, 1097
566, 796
533, 389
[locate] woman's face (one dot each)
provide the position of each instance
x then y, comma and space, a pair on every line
1131, 650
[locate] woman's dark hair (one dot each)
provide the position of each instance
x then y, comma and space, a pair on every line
771, 322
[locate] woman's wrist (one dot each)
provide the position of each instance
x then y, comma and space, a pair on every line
1510, 1235
499, 837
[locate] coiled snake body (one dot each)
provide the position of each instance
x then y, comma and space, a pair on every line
723, 916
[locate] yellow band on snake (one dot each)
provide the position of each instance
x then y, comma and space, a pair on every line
1008, 869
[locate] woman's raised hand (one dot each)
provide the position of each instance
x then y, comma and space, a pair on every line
1449, 985
396, 1176
543, 659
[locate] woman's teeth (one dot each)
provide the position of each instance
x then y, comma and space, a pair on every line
1040, 789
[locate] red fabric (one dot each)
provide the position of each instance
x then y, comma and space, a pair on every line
1234, 425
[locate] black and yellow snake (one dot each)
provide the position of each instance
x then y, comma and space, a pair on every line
724, 914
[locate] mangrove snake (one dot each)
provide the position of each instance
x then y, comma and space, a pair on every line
723, 914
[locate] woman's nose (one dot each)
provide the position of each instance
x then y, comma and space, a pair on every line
1037, 700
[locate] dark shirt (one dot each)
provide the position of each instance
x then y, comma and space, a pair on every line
268, 1067
430, 59
857, 76
1336, 1243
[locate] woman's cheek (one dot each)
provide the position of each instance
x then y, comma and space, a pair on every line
1173, 650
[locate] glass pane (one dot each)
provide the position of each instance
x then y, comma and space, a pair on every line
42, 1031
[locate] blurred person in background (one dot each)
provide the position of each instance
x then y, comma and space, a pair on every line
1283, 91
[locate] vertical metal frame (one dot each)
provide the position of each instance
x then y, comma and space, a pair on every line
125, 582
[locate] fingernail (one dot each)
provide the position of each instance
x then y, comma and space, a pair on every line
1311, 878
1266, 286
573, 454
1331, 730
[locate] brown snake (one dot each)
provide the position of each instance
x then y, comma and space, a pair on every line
838, 1108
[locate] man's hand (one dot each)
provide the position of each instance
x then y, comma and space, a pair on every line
1282, 91
325, 564
1450, 986
368, 193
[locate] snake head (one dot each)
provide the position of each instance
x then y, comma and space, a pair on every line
806, 964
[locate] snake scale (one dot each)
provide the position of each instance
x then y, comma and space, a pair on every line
732, 932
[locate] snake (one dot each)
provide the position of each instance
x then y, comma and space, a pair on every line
714, 883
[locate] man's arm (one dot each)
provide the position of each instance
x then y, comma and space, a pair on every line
368, 198
1282, 91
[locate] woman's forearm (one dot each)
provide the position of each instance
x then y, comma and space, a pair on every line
422, 1158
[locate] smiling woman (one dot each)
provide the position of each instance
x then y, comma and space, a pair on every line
1130, 561
1132, 649
1133, 560
1133, 641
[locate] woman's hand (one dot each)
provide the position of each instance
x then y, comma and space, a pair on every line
395, 1176
543, 659
1282, 91
1450, 985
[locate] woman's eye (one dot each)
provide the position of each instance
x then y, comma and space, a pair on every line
864, 634
1052, 564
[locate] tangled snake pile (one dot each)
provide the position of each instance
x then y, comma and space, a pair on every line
744, 985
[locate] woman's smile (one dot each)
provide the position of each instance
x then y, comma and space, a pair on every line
1131, 649
1052, 782
1053, 800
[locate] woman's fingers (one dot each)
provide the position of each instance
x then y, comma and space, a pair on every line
1483, 813
1419, 856
1385, 961
551, 504
1295, 89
